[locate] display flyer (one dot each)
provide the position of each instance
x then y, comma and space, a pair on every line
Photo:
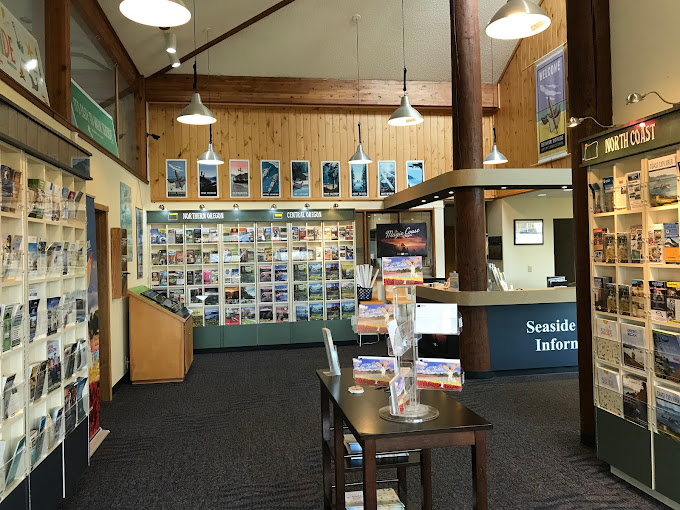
402, 270
373, 318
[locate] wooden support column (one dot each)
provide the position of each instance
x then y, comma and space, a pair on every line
140, 129
590, 94
58, 56
466, 83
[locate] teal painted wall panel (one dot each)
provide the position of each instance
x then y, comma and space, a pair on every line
208, 337
239, 336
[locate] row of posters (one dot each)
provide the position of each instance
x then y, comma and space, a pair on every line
270, 178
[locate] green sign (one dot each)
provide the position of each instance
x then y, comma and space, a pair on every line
92, 119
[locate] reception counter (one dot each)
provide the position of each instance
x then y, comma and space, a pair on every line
528, 329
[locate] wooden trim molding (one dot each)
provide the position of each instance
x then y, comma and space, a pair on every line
177, 88
58, 55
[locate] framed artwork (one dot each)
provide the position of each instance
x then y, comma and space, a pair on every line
176, 178
359, 180
140, 242
330, 172
270, 178
299, 179
528, 232
207, 180
239, 178
415, 171
387, 178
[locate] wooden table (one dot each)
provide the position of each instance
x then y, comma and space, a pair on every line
456, 426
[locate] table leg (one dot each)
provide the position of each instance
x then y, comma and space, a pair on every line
339, 459
326, 457
402, 485
426, 477
370, 480
479, 483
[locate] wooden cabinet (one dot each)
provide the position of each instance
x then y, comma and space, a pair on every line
161, 342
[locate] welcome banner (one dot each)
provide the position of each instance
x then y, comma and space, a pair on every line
551, 106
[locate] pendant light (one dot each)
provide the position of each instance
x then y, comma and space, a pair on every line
518, 19
156, 13
405, 115
195, 112
210, 157
495, 157
359, 157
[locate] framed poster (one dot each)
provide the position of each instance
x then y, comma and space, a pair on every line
270, 178
176, 178
551, 106
239, 178
358, 180
528, 231
415, 171
140, 242
207, 180
299, 178
401, 239
126, 218
330, 172
387, 178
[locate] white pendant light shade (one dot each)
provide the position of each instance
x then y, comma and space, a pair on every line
405, 115
360, 157
196, 113
156, 13
170, 41
210, 157
518, 19
495, 157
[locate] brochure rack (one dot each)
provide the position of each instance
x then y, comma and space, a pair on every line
636, 348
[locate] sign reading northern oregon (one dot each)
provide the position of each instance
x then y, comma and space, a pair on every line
92, 119
551, 106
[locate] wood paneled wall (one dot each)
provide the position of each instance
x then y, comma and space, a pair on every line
516, 116
306, 133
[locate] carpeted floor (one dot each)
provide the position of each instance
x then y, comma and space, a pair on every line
243, 432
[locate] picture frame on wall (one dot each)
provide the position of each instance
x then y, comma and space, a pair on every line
239, 178
140, 242
176, 178
415, 172
208, 180
270, 178
299, 178
387, 178
358, 180
528, 232
330, 179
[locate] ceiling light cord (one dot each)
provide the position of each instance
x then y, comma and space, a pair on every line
195, 72
358, 78
494, 135
403, 42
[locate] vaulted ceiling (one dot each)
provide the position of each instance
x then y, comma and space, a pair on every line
315, 39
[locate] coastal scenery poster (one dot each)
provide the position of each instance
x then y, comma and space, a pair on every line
299, 172
239, 178
359, 180
176, 178
387, 178
402, 270
330, 170
415, 171
270, 177
401, 239
207, 180
668, 412
373, 319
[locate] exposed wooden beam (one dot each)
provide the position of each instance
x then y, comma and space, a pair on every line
227, 34
58, 56
177, 88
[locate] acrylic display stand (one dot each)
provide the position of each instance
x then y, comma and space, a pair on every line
403, 346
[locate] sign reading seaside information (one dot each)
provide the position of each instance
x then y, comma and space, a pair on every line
551, 106
92, 119
20, 56
401, 239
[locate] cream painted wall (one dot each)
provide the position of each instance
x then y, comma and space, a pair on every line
105, 187
517, 259
644, 48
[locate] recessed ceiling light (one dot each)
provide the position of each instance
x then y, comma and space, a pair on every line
451, 192
504, 187
564, 187
423, 200
567, 189
541, 194
436, 196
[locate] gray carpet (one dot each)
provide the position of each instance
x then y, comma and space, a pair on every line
243, 432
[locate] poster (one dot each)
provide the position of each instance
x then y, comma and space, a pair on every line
551, 106
299, 178
93, 316
330, 171
239, 178
373, 319
403, 239
387, 178
126, 218
207, 180
402, 270
140, 243
21, 55
176, 178
414, 173
359, 180
270, 178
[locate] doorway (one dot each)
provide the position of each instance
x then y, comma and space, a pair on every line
101, 218
563, 245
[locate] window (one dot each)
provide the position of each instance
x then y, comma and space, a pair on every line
31, 14
127, 145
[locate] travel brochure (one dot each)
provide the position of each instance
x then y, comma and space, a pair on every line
402, 270
373, 318
52, 202
668, 412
